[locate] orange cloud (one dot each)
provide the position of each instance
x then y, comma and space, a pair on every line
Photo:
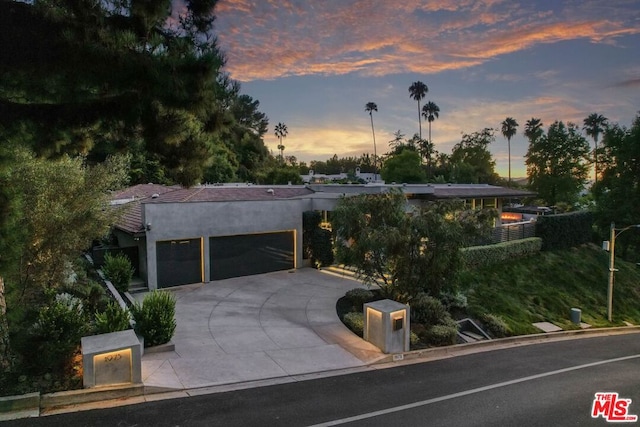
272, 39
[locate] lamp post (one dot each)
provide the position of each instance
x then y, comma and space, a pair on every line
615, 232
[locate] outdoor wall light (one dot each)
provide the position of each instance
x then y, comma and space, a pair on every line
148, 227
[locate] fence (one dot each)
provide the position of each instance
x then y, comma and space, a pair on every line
514, 231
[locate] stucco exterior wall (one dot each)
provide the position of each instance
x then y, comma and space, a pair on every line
189, 220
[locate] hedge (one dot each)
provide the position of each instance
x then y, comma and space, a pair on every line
480, 256
564, 231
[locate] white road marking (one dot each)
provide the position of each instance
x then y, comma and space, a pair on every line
468, 392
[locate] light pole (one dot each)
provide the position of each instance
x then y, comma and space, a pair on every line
615, 232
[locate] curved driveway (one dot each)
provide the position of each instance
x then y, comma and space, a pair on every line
252, 328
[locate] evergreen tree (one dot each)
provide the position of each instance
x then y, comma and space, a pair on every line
557, 164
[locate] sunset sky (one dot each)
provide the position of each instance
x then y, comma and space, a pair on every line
314, 64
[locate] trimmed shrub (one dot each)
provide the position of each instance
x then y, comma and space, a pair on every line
439, 335
113, 319
358, 297
429, 311
495, 326
55, 336
355, 322
564, 231
155, 318
481, 256
118, 270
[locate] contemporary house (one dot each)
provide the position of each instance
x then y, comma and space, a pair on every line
208, 233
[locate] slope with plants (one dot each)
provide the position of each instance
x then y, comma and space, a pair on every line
546, 286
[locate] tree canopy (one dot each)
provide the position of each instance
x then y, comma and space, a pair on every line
471, 161
617, 193
557, 164
98, 78
405, 249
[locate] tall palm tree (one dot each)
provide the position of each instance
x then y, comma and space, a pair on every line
594, 125
370, 108
430, 111
418, 91
533, 129
281, 132
509, 126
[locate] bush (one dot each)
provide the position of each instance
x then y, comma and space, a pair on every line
565, 230
155, 318
439, 335
118, 270
355, 322
495, 326
429, 311
358, 297
113, 319
321, 248
481, 256
55, 336
454, 300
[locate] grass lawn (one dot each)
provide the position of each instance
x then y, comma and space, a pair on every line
545, 287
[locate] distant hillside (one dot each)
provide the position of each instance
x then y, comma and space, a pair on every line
547, 286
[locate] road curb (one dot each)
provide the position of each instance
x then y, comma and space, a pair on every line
459, 349
34, 404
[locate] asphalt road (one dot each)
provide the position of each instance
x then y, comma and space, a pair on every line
549, 384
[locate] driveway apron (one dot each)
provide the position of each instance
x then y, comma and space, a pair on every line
281, 324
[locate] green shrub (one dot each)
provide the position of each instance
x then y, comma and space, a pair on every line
454, 300
55, 336
358, 297
155, 318
118, 270
481, 256
429, 311
564, 231
414, 339
321, 248
495, 326
113, 319
439, 335
355, 322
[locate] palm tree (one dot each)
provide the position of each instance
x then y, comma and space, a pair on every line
509, 126
370, 108
594, 125
533, 129
281, 132
418, 91
430, 111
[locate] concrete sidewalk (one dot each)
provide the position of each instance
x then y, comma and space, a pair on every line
255, 328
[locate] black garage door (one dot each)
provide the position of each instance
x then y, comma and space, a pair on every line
244, 255
179, 262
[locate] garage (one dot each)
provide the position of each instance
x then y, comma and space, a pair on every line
248, 254
179, 262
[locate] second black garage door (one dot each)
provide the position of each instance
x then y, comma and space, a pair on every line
244, 255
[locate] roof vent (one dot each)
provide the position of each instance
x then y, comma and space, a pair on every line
155, 196
270, 191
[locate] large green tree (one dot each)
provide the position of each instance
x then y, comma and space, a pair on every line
405, 249
557, 164
617, 193
103, 77
403, 167
471, 161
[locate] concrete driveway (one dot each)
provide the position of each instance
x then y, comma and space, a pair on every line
252, 328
